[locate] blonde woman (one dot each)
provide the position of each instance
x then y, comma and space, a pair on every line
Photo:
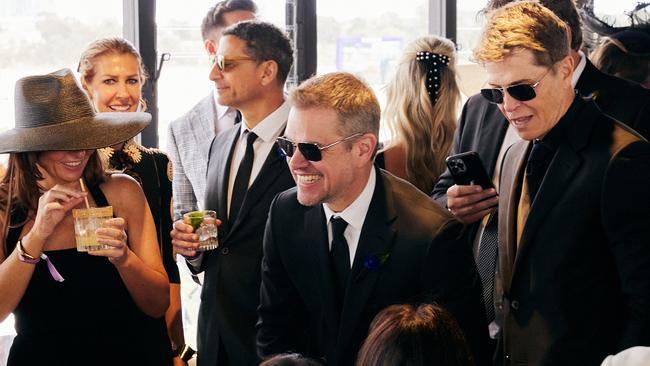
422, 103
112, 75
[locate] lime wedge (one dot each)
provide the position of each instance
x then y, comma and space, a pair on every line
195, 219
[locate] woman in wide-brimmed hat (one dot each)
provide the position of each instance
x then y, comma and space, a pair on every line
71, 307
112, 75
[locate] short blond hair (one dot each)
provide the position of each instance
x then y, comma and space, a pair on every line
353, 101
523, 25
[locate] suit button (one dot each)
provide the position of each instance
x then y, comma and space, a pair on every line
515, 304
225, 251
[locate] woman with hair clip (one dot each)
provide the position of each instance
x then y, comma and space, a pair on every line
112, 75
72, 307
422, 104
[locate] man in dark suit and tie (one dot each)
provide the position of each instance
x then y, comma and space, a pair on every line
245, 172
351, 239
483, 128
573, 276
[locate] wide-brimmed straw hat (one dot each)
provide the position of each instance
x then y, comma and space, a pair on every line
53, 113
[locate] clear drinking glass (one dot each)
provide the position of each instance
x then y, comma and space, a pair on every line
204, 224
86, 221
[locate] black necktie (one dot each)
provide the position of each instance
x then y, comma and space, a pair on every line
340, 256
538, 161
486, 262
237, 117
242, 178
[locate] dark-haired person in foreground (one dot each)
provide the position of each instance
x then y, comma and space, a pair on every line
413, 335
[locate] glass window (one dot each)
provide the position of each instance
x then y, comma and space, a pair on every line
367, 37
41, 36
470, 21
184, 78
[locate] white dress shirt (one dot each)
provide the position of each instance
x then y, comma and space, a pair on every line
267, 131
225, 115
354, 215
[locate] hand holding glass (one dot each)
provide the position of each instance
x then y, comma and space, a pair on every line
86, 221
204, 224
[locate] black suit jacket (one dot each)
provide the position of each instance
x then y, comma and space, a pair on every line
424, 262
482, 127
230, 292
577, 288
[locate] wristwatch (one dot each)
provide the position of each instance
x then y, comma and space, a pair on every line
184, 352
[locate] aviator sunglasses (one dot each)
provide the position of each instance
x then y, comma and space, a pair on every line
521, 92
310, 150
224, 62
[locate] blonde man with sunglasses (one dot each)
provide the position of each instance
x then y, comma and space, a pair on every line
351, 239
244, 173
573, 280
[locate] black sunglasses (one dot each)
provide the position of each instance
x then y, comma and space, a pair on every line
521, 92
310, 150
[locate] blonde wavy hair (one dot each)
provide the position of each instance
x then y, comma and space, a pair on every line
523, 25
425, 130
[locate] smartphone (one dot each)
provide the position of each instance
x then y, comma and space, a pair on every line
468, 169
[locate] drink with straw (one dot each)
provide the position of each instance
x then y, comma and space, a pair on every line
86, 221
204, 224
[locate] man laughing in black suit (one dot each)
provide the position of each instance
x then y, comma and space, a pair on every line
352, 239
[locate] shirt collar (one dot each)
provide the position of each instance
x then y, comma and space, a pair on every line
355, 213
579, 69
222, 110
271, 126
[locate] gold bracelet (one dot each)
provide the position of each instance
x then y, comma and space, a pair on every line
23, 253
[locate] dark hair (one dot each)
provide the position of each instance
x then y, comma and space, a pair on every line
564, 9
407, 335
290, 359
215, 17
19, 187
264, 42
616, 57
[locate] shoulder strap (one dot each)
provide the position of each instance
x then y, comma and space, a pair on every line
98, 195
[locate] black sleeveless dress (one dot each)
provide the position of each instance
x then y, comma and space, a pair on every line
88, 319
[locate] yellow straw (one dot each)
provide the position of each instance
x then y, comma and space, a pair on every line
83, 189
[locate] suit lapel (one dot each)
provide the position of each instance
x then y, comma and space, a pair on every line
274, 165
219, 175
557, 178
377, 238
513, 168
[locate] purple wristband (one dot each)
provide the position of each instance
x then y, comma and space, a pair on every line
53, 272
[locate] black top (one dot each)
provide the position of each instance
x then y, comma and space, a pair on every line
88, 319
152, 169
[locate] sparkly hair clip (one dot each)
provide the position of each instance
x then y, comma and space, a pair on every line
433, 62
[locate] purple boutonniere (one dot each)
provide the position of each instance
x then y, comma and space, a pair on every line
374, 261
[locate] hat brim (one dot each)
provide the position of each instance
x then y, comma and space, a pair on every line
101, 130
